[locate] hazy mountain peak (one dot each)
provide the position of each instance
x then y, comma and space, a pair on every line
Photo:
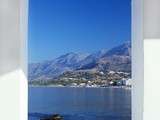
123, 49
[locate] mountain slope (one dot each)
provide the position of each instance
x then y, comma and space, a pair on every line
53, 68
115, 59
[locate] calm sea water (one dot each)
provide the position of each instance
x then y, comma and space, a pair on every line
80, 103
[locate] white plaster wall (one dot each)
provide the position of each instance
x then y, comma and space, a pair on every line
151, 19
151, 24
13, 83
151, 79
146, 59
137, 60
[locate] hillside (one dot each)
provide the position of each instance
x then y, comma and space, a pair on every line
117, 59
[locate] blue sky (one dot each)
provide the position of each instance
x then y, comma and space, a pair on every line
57, 27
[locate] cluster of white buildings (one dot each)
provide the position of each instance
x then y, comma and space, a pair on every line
123, 82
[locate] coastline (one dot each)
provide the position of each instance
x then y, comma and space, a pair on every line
54, 86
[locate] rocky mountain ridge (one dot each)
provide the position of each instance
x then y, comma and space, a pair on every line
116, 59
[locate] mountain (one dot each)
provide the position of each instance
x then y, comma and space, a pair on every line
115, 59
121, 50
90, 61
53, 68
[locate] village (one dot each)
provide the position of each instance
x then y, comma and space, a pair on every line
118, 83
88, 79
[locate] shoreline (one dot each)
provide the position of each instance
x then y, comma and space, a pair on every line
52, 86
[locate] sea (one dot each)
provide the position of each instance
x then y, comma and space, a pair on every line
72, 103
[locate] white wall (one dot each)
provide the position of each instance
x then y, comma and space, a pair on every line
151, 59
146, 59
151, 19
151, 79
137, 60
13, 83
